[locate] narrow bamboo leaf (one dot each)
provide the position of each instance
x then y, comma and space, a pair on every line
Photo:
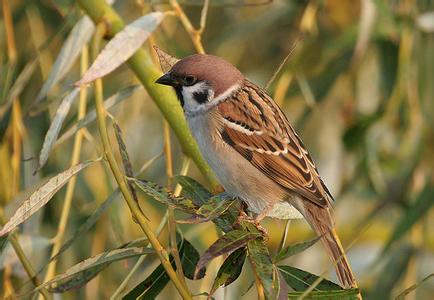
166, 60
412, 215
18, 86
193, 190
407, 291
230, 270
350, 294
79, 36
300, 280
189, 259
91, 116
216, 206
55, 127
3, 242
294, 249
211, 210
229, 242
261, 262
163, 195
126, 162
122, 46
81, 273
41, 196
151, 286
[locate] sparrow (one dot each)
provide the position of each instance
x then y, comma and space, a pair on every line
253, 149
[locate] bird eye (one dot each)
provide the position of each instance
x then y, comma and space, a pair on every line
189, 80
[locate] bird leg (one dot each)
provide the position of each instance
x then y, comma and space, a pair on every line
256, 221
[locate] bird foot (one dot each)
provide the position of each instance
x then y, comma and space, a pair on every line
243, 217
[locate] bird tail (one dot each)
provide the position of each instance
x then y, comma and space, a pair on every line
321, 222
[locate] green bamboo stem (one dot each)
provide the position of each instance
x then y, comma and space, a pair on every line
145, 70
120, 178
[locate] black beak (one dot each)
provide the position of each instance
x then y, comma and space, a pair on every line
166, 79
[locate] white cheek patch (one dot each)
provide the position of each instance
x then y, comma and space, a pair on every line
188, 95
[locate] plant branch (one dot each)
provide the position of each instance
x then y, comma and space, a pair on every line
195, 35
120, 178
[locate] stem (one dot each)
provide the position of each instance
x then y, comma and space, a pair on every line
13, 239
195, 35
119, 176
17, 130
171, 224
146, 71
58, 240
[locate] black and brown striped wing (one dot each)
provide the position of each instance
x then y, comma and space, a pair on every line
256, 128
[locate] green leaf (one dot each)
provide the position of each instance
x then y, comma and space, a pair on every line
55, 126
151, 286
300, 280
229, 242
193, 190
126, 162
41, 196
261, 262
163, 195
81, 273
412, 215
212, 209
158, 279
189, 259
294, 249
350, 294
3, 242
230, 270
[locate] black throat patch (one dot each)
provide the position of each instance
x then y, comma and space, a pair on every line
178, 91
201, 97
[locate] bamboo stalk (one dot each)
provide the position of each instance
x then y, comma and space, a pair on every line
120, 179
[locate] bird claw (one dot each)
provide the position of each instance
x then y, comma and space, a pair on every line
243, 217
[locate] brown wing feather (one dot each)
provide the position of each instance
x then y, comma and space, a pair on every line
256, 128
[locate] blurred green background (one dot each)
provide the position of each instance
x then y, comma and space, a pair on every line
358, 87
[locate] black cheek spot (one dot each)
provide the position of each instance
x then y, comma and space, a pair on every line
201, 97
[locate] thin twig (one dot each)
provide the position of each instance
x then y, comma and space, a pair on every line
171, 224
281, 65
142, 258
195, 35
203, 16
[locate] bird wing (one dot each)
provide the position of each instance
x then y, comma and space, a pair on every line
255, 127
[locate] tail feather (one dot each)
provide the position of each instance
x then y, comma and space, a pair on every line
321, 222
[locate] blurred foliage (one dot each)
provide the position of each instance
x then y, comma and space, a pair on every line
358, 87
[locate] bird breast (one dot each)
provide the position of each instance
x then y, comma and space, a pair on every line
238, 177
